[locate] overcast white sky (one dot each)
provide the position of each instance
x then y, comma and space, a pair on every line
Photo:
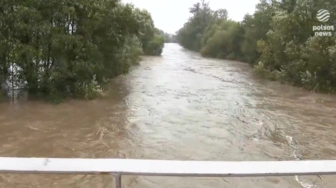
170, 15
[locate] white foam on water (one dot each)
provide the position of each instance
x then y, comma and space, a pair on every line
296, 155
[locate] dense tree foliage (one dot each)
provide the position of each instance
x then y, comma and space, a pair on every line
62, 48
155, 45
278, 39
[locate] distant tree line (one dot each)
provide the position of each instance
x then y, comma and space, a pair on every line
170, 38
70, 48
278, 40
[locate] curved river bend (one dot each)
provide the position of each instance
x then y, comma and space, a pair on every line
179, 106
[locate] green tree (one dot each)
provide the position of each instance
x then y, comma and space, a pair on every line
278, 39
190, 35
63, 48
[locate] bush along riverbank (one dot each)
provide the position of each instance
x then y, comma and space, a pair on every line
57, 49
292, 41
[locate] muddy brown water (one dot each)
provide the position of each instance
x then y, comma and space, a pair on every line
179, 106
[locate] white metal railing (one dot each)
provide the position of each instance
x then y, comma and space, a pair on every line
119, 167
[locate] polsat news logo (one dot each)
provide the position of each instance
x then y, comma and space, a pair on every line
323, 16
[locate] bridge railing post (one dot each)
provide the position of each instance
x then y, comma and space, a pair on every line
117, 180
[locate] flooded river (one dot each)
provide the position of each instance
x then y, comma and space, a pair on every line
179, 106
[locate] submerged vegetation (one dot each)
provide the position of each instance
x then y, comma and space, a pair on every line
278, 40
70, 48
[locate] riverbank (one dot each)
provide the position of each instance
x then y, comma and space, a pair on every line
277, 40
281, 77
98, 92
